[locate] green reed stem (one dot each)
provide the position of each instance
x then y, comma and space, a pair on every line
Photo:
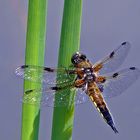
35, 50
69, 43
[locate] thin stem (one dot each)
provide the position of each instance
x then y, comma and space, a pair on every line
35, 50
69, 43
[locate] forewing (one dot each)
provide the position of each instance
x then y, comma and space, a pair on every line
118, 82
114, 59
45, 75
54, 96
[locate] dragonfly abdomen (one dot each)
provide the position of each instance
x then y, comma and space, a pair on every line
103, 110
108, 118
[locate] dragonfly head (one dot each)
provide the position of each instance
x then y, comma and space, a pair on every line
77, 58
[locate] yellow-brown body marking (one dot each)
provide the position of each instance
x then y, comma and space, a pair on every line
97, 67
97, 98
84, 64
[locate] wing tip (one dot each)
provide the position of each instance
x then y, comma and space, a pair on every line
137, 71
134, 68
126, 43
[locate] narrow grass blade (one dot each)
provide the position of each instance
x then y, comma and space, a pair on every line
35, 50
69, 43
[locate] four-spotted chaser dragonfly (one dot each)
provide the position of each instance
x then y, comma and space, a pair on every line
90, 80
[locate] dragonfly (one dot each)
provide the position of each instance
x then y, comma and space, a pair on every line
94, 82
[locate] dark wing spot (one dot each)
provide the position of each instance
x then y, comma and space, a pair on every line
124, 43
132, 68
48, 69
103, 80
55, 88
115, 75
24, 66
112, 54
28, 91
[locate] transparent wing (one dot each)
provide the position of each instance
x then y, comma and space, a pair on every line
63, 99
54, 97
45, 75
114, 59
118, 82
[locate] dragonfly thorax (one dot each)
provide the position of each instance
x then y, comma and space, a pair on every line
89, 75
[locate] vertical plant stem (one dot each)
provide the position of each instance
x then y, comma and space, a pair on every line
69, 44
35, 50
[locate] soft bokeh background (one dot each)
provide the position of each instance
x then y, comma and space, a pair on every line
105, 25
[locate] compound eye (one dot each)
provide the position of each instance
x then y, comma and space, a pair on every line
76, 61
75, 58
83, 57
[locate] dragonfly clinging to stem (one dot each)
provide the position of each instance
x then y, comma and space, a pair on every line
94, 81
